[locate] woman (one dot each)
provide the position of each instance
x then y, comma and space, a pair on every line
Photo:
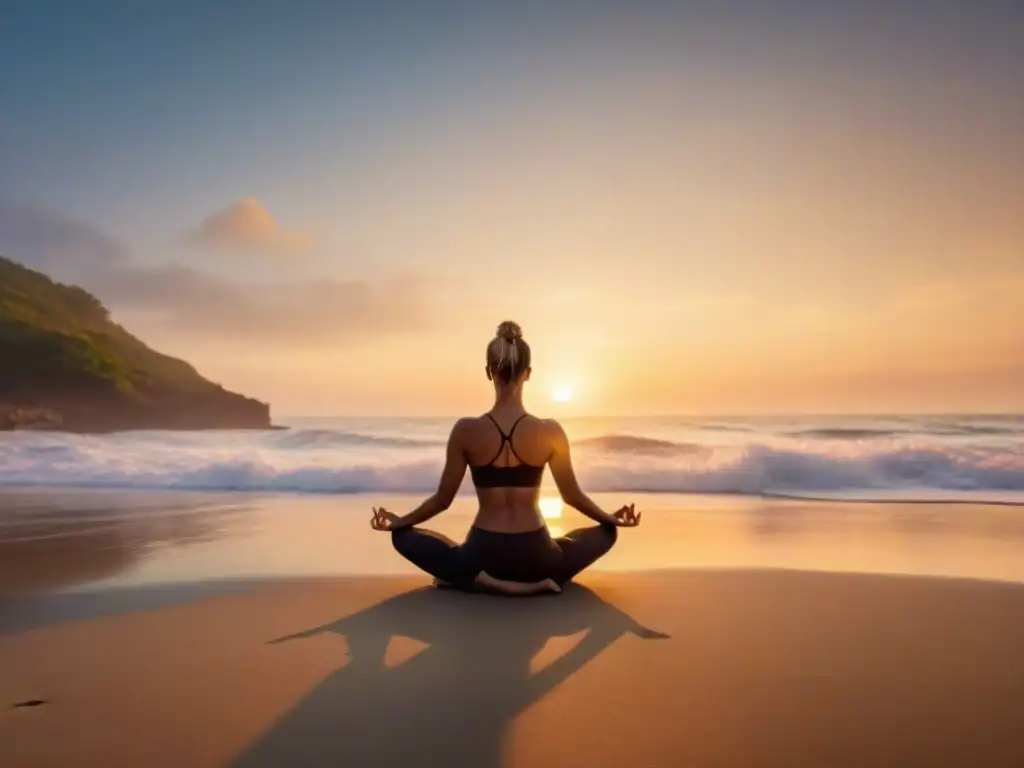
509, 548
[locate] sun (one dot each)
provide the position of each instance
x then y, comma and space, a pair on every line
562, 394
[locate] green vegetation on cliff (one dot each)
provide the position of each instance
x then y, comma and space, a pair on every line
59, 349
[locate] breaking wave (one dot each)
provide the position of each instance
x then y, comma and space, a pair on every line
331, 438
639, 445
340, 462
854, 433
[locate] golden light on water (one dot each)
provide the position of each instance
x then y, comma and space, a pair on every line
551, 510
551, 507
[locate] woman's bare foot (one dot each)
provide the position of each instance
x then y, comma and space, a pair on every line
550, 585
517, 587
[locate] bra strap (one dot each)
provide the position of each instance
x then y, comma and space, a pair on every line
505, 439
497, 426
516, 424
512, 447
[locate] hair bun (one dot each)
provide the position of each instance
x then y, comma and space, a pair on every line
509, 331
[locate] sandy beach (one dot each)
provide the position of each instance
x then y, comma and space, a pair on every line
799, 644
751, 668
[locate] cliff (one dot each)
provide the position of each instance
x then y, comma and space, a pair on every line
64, 364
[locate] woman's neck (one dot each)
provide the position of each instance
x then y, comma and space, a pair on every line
508, 397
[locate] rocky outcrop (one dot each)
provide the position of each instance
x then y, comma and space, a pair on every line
29, 417
217, 410
65, 364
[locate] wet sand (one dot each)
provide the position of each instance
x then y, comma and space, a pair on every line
63, 541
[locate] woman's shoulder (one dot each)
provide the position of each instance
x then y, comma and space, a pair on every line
554, 430
466, 424
549, 425
547, 428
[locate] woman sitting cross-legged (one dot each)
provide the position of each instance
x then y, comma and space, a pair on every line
508, 548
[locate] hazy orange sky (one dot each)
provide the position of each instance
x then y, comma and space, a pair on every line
688, 209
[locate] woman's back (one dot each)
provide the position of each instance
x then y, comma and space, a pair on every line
508, 547
506, 450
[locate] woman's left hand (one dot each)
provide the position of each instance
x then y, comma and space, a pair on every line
627, 516
383, 520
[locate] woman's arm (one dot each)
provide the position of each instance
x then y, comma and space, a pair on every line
451, 479
565, 478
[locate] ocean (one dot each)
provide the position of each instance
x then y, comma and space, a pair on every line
880, 458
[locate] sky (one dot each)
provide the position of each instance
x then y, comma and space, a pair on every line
690, 207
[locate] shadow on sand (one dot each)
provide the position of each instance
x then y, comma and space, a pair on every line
451, 703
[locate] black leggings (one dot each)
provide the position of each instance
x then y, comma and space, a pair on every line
524, 557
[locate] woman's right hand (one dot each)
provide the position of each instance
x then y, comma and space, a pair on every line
383, 520
627, 517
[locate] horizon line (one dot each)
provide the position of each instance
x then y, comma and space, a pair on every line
772, 415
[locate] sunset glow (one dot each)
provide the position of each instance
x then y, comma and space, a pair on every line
727, 216
562, 394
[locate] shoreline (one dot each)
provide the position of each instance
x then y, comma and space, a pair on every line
67, 540
467, 493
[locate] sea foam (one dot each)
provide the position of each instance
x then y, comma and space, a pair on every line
851, 462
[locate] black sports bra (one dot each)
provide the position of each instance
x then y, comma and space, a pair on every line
521, 475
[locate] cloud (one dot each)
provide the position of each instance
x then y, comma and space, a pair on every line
246, 225
302, 314
177, 299
63, 247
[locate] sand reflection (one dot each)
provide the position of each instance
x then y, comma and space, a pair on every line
57, 541
551, 510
